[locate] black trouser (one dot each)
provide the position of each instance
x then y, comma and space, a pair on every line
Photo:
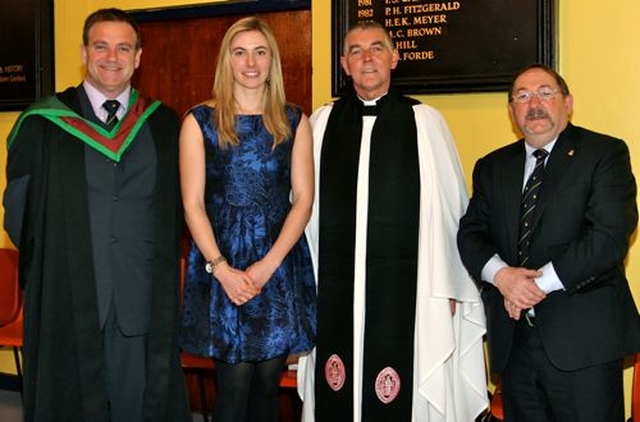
125, 364
535, 390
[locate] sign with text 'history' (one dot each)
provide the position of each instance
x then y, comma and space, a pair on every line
26, 52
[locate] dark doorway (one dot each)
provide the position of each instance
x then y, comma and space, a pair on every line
179, 56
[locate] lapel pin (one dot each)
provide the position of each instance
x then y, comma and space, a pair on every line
570, 153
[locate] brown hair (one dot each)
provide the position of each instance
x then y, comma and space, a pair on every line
110, 15
564, 88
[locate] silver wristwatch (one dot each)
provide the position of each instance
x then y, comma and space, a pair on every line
210, 266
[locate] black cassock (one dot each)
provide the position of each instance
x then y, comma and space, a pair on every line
391, 261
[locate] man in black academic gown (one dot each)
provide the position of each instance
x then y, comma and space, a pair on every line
92, 203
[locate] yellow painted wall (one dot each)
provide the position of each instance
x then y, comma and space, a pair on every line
599, 46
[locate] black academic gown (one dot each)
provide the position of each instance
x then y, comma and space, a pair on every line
64, 364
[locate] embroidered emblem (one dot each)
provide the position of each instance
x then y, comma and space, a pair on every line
334, 372
387, 385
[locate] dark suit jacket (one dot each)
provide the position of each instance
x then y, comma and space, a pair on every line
585, 216
121, 210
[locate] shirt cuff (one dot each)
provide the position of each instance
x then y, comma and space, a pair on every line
549, 282
492, 267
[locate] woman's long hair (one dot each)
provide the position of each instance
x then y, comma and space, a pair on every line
273, 102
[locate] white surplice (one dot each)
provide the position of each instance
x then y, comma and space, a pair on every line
449, 368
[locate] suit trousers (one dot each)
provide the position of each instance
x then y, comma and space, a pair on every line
537, 391
125, 370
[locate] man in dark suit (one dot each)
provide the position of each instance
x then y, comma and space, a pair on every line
548, 256
92, 202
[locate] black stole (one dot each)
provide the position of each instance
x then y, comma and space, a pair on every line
391, 267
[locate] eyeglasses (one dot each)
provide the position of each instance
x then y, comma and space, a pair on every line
544, 94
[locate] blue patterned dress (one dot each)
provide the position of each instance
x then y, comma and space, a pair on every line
247, 199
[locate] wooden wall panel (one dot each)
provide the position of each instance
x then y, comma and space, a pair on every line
178, 57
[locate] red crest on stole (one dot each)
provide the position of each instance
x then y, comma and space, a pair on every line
387, 385
334, 372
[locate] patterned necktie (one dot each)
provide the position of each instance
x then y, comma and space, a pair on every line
529, 198
112, 108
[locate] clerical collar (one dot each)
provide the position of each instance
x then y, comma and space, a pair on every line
370, 107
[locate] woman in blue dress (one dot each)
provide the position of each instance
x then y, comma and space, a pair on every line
246, 171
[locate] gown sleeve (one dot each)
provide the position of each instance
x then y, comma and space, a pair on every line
24, 153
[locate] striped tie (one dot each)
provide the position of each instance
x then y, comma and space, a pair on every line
112, 108
529, 198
